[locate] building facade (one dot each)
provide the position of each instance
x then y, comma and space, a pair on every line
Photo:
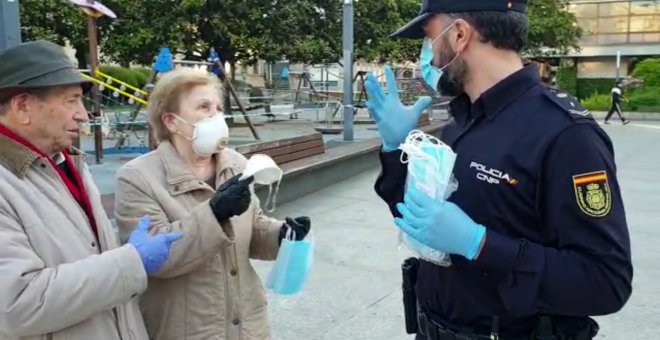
631, 28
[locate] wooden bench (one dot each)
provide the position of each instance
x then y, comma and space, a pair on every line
287, 150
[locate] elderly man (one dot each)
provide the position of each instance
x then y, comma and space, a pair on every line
62, 273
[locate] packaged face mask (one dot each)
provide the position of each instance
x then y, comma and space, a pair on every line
292, 265
430, 165
265, 172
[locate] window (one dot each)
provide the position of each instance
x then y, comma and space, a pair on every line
584, 10
645, 7
589, 40
589, 26
645, 23
613, 25
609, 39
644, 37
613, 9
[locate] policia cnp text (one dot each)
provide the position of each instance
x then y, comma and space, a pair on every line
536, 250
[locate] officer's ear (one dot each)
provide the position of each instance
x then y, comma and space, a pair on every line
464, 32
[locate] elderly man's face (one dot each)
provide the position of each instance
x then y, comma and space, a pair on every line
49, 120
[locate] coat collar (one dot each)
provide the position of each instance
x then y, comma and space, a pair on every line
16, 156
178, 173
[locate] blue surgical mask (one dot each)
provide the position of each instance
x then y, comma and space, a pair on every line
431, 74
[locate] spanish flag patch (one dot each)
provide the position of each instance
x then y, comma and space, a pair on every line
592, 192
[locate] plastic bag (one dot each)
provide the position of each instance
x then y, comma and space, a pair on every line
292, 265
430, 165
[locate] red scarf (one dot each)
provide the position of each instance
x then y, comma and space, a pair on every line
75, 184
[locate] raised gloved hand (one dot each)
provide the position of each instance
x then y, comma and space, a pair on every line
153, 249
439, 225
300, 226
232, 198
394, 119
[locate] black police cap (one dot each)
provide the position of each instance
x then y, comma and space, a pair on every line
414, 28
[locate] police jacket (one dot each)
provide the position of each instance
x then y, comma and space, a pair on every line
535, 169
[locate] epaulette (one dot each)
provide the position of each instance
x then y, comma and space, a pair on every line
568, 103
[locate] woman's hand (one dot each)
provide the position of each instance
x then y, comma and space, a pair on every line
299, 225
232, 198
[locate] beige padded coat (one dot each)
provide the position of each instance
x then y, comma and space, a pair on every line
208, 288
56, 281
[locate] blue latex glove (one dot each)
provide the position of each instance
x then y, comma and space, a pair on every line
394, 119
153, 249
439, 225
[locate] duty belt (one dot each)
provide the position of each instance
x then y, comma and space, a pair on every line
434, 330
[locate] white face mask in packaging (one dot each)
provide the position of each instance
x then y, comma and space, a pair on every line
265, 172
210, 135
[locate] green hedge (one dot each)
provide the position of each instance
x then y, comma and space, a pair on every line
588, 87
597, 102
136, 77
567, 79
649, 71
645, 99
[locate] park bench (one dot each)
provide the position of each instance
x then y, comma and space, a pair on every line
287, 150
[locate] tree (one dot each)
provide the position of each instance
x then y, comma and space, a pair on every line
141, 29
376, 21
552, 29
57, 21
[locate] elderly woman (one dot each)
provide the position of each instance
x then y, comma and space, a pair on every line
207, 288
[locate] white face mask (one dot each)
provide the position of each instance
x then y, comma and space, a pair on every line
265, 172
210, 135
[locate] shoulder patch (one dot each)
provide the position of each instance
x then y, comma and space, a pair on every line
592, 193
568, 103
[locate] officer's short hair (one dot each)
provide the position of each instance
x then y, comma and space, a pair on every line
504, 30
3, 107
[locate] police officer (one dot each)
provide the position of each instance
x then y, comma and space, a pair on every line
536, 230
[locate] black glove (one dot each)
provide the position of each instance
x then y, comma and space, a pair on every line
300, 225
232, 198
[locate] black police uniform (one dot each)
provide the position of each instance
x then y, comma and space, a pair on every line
536, 170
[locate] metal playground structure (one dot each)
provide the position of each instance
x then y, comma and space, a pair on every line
132, 121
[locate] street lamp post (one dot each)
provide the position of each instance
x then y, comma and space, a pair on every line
348, 69
10, 24
618, 64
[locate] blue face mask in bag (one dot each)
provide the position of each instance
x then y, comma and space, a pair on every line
430, 165
292, 265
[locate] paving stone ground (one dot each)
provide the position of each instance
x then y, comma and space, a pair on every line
354, 289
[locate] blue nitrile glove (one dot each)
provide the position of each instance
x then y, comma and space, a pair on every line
439, 225
153, 249
394, 119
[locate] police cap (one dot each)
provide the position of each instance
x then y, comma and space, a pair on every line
413, 29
